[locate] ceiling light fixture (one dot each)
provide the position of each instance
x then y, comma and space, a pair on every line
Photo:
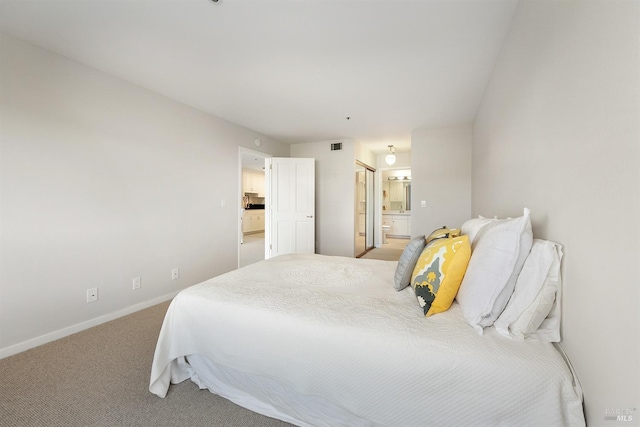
391, 157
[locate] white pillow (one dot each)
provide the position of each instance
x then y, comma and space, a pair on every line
534, 296
473, 226
549, 330
501, 248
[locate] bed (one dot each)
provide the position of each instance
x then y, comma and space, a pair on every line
327, 341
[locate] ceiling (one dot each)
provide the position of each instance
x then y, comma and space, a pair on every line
295, 70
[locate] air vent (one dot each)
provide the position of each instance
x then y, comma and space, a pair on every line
336, 146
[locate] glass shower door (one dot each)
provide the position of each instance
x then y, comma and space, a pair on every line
364, 211
369, 226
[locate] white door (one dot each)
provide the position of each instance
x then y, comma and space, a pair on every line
290, 216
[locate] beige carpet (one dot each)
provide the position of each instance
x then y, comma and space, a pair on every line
389, 251
386, 254
100, 377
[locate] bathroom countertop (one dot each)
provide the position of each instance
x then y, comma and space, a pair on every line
386, 212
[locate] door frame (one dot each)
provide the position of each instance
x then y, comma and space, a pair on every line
380, 197
369, 226
241, 152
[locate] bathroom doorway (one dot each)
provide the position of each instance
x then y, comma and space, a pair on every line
395, 195
364, 209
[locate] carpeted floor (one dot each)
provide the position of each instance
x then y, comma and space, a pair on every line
383, 254
390, 251
100, 377
252, 249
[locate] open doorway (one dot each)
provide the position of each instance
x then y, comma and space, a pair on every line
252, 201
396, 207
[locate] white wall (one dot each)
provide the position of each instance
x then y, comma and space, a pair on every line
559, 132
441, 176
335, 194
100, 182
364, 155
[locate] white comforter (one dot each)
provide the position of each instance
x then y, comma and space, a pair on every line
335, 328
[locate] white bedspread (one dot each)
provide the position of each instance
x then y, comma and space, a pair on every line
335, 328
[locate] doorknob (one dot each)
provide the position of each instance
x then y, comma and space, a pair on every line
309, 216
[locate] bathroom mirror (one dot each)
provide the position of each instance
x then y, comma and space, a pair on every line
396, 190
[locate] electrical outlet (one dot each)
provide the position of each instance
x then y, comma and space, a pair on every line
175, 274
136, 283
92, 295
423, 204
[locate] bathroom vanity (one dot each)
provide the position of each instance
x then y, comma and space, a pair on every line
400, 223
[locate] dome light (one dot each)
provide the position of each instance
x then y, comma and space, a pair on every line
391, 157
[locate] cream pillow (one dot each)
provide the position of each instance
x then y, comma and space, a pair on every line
501, 248
549, 330
534, 295
473, 226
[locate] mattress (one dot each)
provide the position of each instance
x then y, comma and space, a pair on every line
319, 340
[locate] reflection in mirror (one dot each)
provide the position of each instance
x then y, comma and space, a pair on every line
396, 190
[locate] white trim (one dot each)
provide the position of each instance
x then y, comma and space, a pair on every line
61, 333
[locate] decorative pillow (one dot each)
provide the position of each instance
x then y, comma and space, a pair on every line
536, 292
473, 226
443, 232
407, 262
500, 251
438, 273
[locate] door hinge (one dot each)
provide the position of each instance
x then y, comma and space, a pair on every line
270, 247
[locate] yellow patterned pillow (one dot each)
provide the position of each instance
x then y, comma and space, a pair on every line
443, 232
439, 272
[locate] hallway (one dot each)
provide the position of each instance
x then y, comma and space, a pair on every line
389, 251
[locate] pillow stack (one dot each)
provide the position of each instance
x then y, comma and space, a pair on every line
499, 275
500, 249
534, 308
512, 281
434, 265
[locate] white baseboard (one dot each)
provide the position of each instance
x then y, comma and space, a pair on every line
61, 333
